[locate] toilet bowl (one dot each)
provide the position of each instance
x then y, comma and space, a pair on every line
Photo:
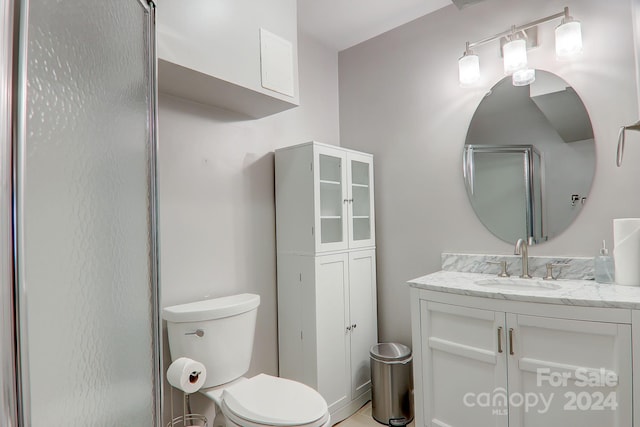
265, 400
219, 334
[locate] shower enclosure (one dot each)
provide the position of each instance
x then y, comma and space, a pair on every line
505, 184
79, 326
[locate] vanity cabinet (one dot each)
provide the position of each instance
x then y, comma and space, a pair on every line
484, 362
324, 199
240, 55
327, 311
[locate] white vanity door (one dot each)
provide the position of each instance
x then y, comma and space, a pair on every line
464, 364
553, 358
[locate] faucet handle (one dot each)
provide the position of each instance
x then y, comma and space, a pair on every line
503, 268
550, 266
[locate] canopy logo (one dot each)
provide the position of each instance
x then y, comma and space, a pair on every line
500, 402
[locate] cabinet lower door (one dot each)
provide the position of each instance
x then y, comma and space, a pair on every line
332, 336
464, 359
363, 315
569, 373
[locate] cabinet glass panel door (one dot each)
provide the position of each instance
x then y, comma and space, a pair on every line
361, 227
331, 220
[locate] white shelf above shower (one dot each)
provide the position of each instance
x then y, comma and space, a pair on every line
234, 54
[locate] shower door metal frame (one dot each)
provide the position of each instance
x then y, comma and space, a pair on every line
156, 314
156, 320
8, 368
14, 387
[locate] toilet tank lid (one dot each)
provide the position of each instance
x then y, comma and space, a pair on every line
210, 309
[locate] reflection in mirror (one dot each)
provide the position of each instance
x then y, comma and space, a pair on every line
529, 159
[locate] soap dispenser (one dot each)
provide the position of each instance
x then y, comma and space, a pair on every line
603, 266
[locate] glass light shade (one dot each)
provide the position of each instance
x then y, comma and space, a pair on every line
568, 39
469, 69
515, 56
523, 77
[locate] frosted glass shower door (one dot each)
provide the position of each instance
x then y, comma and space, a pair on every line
86, 240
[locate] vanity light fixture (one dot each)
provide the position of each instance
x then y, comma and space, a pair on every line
523, 77
568, 44
468, 68
515, 55
568, 37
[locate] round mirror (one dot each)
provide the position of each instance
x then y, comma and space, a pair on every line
529, 158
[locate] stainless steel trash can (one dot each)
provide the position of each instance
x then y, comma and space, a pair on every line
391, 384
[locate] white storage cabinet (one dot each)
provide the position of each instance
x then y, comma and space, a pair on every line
324, 199
327, 311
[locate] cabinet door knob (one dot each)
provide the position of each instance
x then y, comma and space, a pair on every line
348, 328
353, 326
198, 332
500, 339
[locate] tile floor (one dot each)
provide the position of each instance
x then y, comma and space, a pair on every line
363, 418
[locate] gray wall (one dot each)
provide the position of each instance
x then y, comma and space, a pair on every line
400, 100
217, 208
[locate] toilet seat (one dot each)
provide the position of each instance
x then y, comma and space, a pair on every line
242, 422
271, 401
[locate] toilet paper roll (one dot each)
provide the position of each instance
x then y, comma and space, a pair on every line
626, 251
186, 374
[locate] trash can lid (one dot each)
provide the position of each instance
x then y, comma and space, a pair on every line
390, 351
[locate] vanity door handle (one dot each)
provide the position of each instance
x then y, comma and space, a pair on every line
511, 333
500, 339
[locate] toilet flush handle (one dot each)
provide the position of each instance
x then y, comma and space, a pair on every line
198, 332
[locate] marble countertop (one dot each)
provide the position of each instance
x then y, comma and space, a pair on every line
585, 293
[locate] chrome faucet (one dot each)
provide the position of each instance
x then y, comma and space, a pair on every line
522, 249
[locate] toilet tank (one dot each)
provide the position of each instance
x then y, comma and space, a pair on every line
216, 332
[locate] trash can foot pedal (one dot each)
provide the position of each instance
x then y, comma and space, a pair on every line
398, 422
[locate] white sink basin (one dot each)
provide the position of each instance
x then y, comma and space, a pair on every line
517, 284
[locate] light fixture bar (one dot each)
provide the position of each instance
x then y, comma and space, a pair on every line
514, 29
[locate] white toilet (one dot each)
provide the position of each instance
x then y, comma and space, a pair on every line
219, 334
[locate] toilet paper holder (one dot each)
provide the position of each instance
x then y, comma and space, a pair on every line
187, 418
